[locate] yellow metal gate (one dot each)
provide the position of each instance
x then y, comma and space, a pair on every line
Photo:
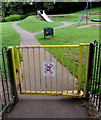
52, 69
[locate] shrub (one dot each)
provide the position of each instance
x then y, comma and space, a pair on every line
14, 18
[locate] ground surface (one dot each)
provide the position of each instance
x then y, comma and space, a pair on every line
48, 107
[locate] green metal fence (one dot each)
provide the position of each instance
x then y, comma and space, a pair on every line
94, 75
8, 95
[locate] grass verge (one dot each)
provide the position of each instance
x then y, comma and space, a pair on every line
71, 35
9, 36
32, 24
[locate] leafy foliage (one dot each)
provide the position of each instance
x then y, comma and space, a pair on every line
49, 6
14, 18
22, 8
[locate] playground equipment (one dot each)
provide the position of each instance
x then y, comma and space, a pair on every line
85, 11
96, 20
44, 16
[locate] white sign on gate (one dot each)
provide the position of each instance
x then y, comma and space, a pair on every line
48, 68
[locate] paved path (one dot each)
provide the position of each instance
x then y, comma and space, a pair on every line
45, 106
48, 107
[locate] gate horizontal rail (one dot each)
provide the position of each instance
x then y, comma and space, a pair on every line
53, 69
52, 46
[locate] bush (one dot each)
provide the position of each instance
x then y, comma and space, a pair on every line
14, 18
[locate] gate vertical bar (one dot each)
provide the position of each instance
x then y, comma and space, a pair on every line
45, 76
87, 64
18, 65
40, 70
73, 78
68, 67
62, 69
23, 65
56, 70
80, 68
30, 84
34, 62
51, 76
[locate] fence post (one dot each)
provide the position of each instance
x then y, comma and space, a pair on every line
80, 68
90, 69
13, 72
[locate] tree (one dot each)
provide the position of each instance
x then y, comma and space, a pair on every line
10, 8
49, 6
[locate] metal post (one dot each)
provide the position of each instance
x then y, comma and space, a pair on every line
11, 61
87, 13
90, 69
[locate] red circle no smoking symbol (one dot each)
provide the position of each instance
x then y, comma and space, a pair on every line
48, 68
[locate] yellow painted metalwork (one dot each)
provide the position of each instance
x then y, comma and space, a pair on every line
19, 70
69, 90
80, 68
40, 70
49, 46
70, 94
68, 66
24, 69
87, 63
51, 76
14, 68
74, 52
56, 70
45, 76
30, 84
34, 62
62, 69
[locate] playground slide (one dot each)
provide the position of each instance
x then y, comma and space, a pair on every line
44, 16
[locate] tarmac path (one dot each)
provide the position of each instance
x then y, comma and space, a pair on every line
31, 106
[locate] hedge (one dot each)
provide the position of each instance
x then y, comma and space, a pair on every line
12, 18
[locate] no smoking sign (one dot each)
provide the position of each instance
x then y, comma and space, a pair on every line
48, 68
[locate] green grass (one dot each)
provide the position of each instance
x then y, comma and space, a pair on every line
71, 35
32, 24
9, 36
